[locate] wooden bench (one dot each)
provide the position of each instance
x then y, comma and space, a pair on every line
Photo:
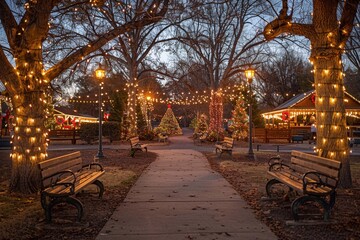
225, 146
313, 178
136, 146
63, 177
62, 134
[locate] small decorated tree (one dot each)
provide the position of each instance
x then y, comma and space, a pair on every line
169, 122
201, 124
239, 126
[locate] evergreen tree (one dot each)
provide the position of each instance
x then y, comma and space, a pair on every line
240, 120
169, 123
201, 124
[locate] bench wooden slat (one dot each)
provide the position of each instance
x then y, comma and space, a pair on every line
59, 160
73, 165
324, 161
313, 166
296, 185
82, 181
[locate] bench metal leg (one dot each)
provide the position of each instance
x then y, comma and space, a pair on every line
70, 200
100, 185
276, 189
300, 201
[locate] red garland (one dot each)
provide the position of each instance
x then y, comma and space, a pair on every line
60, 120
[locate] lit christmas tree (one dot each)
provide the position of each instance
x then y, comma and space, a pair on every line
239, 126
201, 125
169, 123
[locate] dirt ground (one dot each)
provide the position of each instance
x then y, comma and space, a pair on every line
21, 217
249, 179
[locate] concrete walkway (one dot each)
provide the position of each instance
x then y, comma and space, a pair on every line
180, 197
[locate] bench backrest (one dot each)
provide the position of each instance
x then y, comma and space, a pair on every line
64, 133
51, 166
303, 162
134, 141
229, 142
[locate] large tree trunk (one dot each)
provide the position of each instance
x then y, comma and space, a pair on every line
216, 113
132, 100
330, 109
131, 109
29, 109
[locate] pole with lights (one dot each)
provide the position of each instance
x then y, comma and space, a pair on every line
148, 112
100, 75
249, 74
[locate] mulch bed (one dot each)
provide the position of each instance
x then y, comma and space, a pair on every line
249, 178
25, 214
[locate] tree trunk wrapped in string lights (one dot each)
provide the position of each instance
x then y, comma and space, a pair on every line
328, 37
216, 113
27, 79
131, 108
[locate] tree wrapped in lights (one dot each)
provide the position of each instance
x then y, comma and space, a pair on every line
27, 77
131, 109
240, 120
216, 113
169, 123
332, 23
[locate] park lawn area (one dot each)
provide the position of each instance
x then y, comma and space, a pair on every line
21, 216
249, 178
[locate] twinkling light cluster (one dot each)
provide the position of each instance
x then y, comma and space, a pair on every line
216, 112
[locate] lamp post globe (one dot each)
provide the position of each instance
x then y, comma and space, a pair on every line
100, 74
249, 74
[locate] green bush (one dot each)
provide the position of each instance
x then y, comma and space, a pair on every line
111, 130
146, 134
90, 131
214, 136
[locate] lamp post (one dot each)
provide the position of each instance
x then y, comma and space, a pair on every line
100, 75
148, 106
249, 74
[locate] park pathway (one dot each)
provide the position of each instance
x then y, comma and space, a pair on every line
180, 197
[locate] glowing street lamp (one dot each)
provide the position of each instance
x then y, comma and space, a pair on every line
148, 99
100, 75
249, 74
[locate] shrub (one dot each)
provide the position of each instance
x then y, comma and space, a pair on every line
214, 136
146, 134
111, 130
90, 131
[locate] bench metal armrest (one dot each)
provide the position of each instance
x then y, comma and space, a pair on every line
315, 179
277, 166
58, 182
90, 166
275, 159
